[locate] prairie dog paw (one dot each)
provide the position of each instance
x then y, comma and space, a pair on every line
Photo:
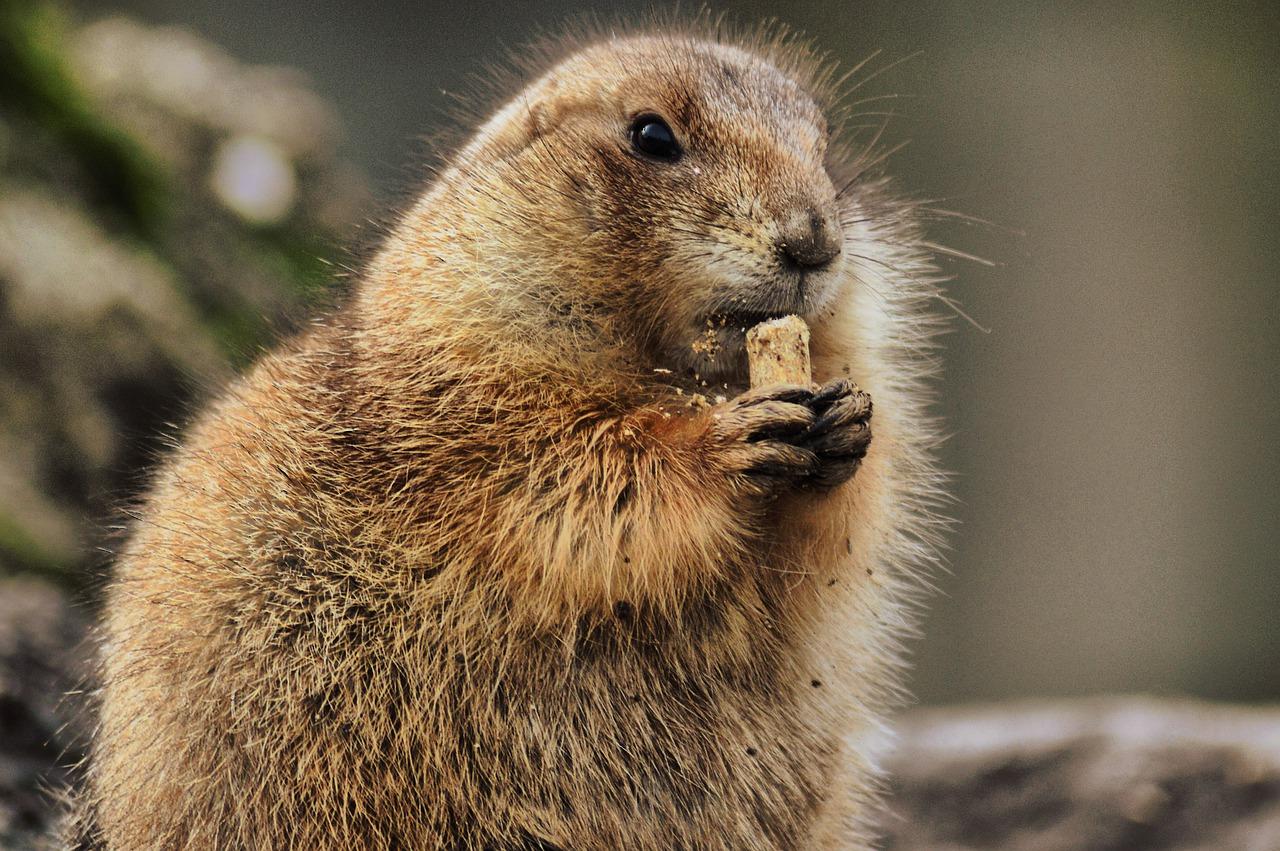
793, 436
840, 433
759, 430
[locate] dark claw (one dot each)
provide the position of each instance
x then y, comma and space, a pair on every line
786, 432
833, 473
848, 442
781, 469
844, 411
793, 393
834, 390
823, 424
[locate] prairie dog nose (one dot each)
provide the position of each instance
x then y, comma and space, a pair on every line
809, 240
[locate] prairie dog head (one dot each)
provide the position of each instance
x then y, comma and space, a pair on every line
675, 184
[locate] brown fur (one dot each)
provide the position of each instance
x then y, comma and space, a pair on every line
465, 568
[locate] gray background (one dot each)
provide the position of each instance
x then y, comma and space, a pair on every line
1115, 434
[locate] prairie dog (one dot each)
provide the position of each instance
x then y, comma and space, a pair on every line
483, 561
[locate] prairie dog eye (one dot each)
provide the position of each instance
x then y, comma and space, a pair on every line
652, 136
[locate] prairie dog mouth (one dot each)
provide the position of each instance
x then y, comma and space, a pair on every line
802, 293
714, 347
742, 320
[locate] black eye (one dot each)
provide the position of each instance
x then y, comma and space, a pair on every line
651, 136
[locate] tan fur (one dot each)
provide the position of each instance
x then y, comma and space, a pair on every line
465, 568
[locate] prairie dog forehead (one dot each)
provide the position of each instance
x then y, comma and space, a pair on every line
695, 81
703, 88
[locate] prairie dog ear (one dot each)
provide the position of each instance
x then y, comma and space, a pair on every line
534, 113
550, 103
542, 109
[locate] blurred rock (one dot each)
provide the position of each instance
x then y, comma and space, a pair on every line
165, 211
1104, 775
96, 344
41, 659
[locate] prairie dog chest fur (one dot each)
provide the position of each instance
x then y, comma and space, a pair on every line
505, 553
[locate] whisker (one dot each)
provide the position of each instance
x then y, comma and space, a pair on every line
958, 254
959, 311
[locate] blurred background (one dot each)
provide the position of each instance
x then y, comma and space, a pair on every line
179, 180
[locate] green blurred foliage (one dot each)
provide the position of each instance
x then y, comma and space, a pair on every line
133, 277
37, 82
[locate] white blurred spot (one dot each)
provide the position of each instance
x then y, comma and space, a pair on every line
254, 178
